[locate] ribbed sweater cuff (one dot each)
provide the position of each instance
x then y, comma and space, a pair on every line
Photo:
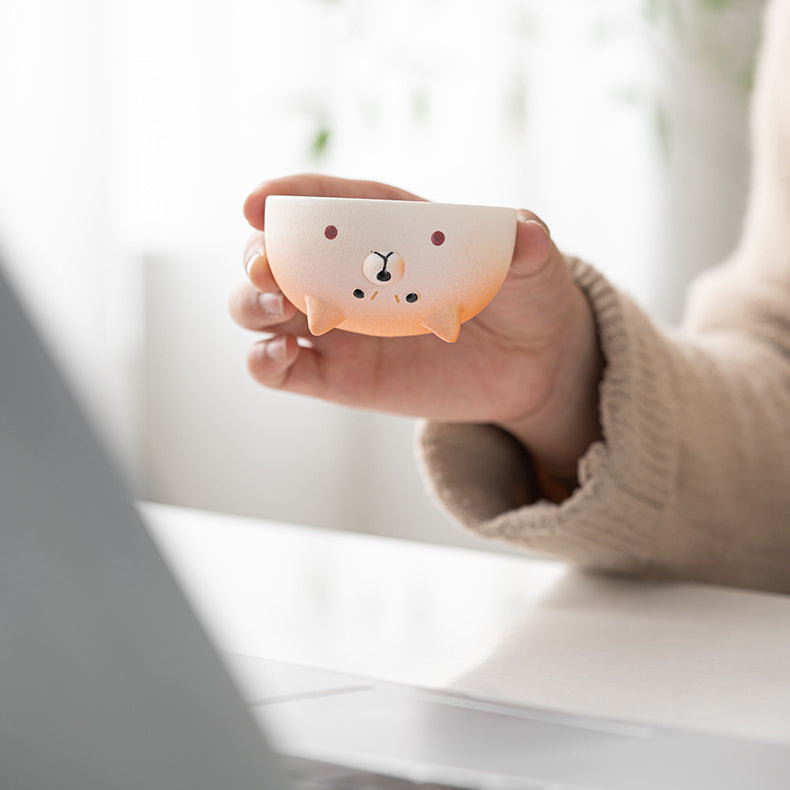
483, 478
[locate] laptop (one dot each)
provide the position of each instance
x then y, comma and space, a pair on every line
109, 682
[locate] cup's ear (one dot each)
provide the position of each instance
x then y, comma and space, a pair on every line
322, 316
445, 323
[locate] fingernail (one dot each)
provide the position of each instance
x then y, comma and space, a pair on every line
528, 219
254, 256
271, 303
277, 348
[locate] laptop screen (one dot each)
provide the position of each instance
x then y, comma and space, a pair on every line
106, 677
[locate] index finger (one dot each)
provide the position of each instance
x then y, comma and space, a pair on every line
317, 185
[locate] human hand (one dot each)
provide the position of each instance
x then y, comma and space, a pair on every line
529, 362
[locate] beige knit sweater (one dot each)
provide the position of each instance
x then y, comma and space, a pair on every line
692, 478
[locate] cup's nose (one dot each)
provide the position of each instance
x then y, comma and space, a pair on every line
383, 268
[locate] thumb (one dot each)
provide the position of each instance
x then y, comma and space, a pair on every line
534, 248
538, 288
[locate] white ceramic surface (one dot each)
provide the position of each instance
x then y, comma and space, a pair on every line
388, 267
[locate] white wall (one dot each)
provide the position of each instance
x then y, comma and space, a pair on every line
133, 130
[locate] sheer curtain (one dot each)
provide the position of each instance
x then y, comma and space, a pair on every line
131, 132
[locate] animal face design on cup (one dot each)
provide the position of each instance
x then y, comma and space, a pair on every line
387, 268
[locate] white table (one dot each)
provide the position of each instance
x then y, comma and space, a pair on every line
491, 625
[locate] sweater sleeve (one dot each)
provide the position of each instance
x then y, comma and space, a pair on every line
691, 478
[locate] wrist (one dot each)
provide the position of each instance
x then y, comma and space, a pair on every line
560, 431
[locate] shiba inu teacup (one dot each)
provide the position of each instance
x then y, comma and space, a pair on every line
387, 267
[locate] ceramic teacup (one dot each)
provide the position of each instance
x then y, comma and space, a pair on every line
387, 267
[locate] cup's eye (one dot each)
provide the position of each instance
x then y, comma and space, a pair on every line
437, 238
330, 231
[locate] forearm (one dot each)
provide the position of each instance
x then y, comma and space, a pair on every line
689, 480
